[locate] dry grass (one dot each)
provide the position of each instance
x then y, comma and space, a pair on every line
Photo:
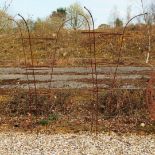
120, 111
107, 47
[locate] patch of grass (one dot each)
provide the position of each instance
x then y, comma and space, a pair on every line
43, 122
52, 118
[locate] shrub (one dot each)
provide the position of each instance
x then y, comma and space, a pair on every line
122, 102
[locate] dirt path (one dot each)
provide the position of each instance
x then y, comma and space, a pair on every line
78, 77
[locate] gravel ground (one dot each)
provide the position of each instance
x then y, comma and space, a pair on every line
75, 144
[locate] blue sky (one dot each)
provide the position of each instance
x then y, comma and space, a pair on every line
101, 9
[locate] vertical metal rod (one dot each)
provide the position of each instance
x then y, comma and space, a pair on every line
32, 58
25, 61
54, 54
95, 72
92, 70
121, 47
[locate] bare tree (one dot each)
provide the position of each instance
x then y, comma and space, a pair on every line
151, 14
5, 24
74, 13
